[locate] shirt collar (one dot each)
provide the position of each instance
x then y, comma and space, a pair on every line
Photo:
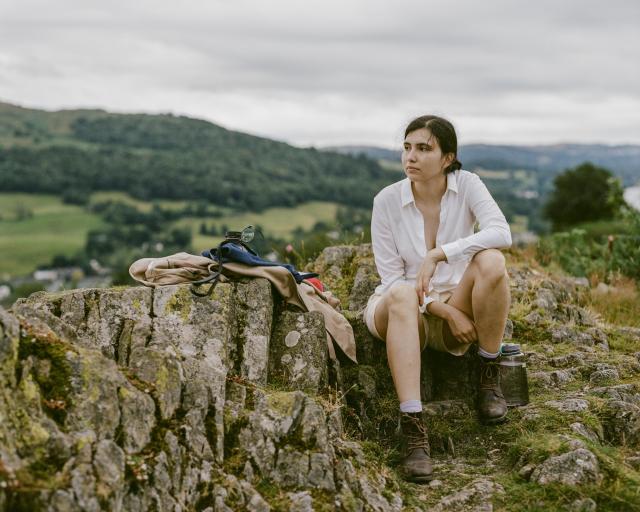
406, 193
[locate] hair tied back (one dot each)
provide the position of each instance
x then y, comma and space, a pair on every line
454, 166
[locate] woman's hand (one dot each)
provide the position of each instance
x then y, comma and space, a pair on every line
427, 269
461, 326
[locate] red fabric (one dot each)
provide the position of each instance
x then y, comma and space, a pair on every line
316, 283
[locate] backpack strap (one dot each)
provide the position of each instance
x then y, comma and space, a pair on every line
213, 278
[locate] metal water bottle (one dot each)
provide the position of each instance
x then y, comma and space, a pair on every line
513, 375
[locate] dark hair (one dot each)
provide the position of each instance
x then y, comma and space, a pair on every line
444, 132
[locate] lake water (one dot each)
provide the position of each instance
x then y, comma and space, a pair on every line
632, 197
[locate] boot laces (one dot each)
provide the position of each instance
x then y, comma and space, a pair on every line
417, 436
489, 376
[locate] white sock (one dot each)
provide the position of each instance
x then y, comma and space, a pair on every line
411, 406
487, 355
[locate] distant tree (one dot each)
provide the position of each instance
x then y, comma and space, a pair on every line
583, 194
77, 196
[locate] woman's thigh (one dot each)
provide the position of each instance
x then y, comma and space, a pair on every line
399, 295
461, 296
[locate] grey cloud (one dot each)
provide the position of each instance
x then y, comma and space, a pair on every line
502, 60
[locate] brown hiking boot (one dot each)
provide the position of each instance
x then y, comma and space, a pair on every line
416, 463
492, 406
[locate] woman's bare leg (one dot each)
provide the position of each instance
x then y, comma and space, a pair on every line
399, 323
483, 294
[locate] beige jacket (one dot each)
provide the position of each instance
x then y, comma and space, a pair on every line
185, 268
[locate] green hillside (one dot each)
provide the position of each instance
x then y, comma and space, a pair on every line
34, 227
73, 153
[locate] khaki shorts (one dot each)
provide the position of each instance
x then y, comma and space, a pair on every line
433, 326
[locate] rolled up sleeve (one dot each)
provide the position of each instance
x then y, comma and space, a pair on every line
494, 230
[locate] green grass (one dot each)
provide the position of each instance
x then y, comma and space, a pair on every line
54, 228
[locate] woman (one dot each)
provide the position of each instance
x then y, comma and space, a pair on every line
443, 285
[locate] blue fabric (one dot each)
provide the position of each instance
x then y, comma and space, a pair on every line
237, 253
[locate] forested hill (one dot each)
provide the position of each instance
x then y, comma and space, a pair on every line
75, 152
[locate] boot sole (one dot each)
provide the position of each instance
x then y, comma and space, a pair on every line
494, 421
420, 479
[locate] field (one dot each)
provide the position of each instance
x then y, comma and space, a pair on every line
279, 222
34, 227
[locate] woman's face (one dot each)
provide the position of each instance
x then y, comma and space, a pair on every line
422, 158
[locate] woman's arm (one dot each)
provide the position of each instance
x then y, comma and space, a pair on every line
494, 230
389, 263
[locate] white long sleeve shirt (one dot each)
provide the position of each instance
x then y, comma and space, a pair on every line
397, 232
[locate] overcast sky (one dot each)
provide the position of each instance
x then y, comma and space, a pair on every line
335, 72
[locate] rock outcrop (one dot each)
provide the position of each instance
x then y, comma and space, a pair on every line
155, 399
140, 399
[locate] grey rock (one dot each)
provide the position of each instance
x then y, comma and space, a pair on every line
632, 333
622, 392
195, 434
545, 301
178, 322
585, 432
578, 467
554, 379
508, 330
298, 356
137, 418
534, 318
580, 282
163, 373
291, 467
253, 316
572, 360
300, 502
94, 381
475, 496
254, 501
569, 405
572, 442
83, 484
321, 472
634, 461
621, 423
526, 470
108, 462
62, 501
364, 284
578, 338
603, 376
583, 505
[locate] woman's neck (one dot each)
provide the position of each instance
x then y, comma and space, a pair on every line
429, 191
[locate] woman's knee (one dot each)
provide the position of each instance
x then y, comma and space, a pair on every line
402, 299
490, 264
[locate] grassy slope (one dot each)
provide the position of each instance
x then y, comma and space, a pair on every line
55, 228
